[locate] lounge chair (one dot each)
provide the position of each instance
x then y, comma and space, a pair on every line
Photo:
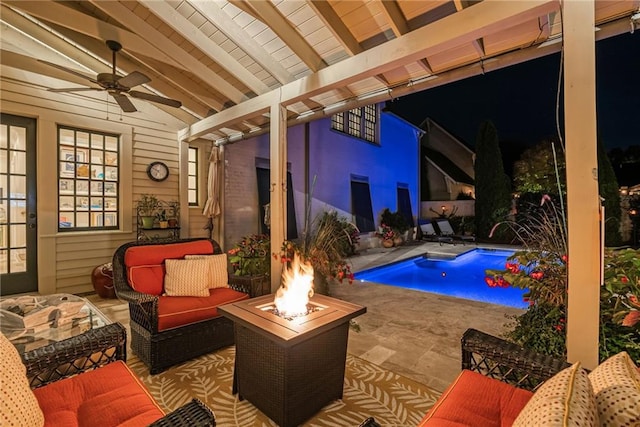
446, 230
429, 233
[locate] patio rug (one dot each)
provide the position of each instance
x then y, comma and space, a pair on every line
369, 390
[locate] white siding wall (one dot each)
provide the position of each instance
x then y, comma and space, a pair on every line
66, 260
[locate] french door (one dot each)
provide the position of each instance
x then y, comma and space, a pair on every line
18, 222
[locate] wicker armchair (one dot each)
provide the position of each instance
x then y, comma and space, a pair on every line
507, 362
92, 350
162, 349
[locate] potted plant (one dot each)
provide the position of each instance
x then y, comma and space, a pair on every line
146, 206
174, 206
397, 222
386, 234
162, 218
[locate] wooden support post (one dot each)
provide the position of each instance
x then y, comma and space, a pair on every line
278, 187
583, 308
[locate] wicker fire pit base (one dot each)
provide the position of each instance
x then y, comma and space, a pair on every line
291, 384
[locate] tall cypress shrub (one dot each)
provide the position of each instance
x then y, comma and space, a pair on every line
493, 193
610, 191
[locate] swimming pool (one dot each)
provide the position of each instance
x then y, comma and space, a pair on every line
460, 277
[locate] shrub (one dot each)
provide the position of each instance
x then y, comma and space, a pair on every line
395, 220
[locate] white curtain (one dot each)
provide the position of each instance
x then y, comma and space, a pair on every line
212, 206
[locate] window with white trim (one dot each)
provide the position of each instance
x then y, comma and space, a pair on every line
360, 122
88, 180
192, 177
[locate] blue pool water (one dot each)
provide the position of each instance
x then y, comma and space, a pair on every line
461, 277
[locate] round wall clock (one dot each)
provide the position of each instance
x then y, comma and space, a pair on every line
158, 171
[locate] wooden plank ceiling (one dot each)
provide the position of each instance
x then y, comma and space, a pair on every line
237, 56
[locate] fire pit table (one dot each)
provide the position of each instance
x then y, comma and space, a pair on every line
290, 368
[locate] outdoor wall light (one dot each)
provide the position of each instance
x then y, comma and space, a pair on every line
444, 208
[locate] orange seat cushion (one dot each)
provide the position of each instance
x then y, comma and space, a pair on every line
175, 311
475, 400
108, 396
145, 264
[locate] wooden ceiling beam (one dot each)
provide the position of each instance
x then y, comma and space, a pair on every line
336, 25
270, 15
123, 15
478, 45
424, 63
395, 17
187, 30
220, 19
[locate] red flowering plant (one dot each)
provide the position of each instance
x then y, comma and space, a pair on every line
385, 232
250, 256
541, 268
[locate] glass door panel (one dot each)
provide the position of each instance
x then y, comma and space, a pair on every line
18, 234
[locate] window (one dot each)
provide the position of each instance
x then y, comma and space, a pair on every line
404, 203
88, 178
360, 122
361, 204
192, 177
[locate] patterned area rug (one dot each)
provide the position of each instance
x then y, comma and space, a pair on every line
369, 390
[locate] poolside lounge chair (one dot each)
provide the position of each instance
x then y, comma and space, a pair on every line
446, 230
429, 233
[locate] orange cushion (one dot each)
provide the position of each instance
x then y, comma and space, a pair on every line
145, 264
475, 400
148, 279
174, 311
109, 396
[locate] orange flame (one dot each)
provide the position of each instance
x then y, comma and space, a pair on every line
297, 287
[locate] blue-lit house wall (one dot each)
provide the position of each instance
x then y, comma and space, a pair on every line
333, 160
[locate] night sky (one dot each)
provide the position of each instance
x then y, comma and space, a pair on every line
521, 100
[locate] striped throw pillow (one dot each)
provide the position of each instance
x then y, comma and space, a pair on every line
218, 275
186, 277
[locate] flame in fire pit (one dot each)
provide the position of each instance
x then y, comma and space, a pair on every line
297, 287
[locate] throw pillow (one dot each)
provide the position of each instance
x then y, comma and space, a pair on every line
218, 276
616, 383
18, 404
186, 277
566, 399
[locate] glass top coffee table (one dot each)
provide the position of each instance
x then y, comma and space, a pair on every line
34, 321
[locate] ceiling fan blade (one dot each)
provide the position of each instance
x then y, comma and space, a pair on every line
124, 103
74, 89
155, 98
133, 79
69, 70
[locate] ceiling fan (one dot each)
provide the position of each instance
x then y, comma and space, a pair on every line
117, 86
